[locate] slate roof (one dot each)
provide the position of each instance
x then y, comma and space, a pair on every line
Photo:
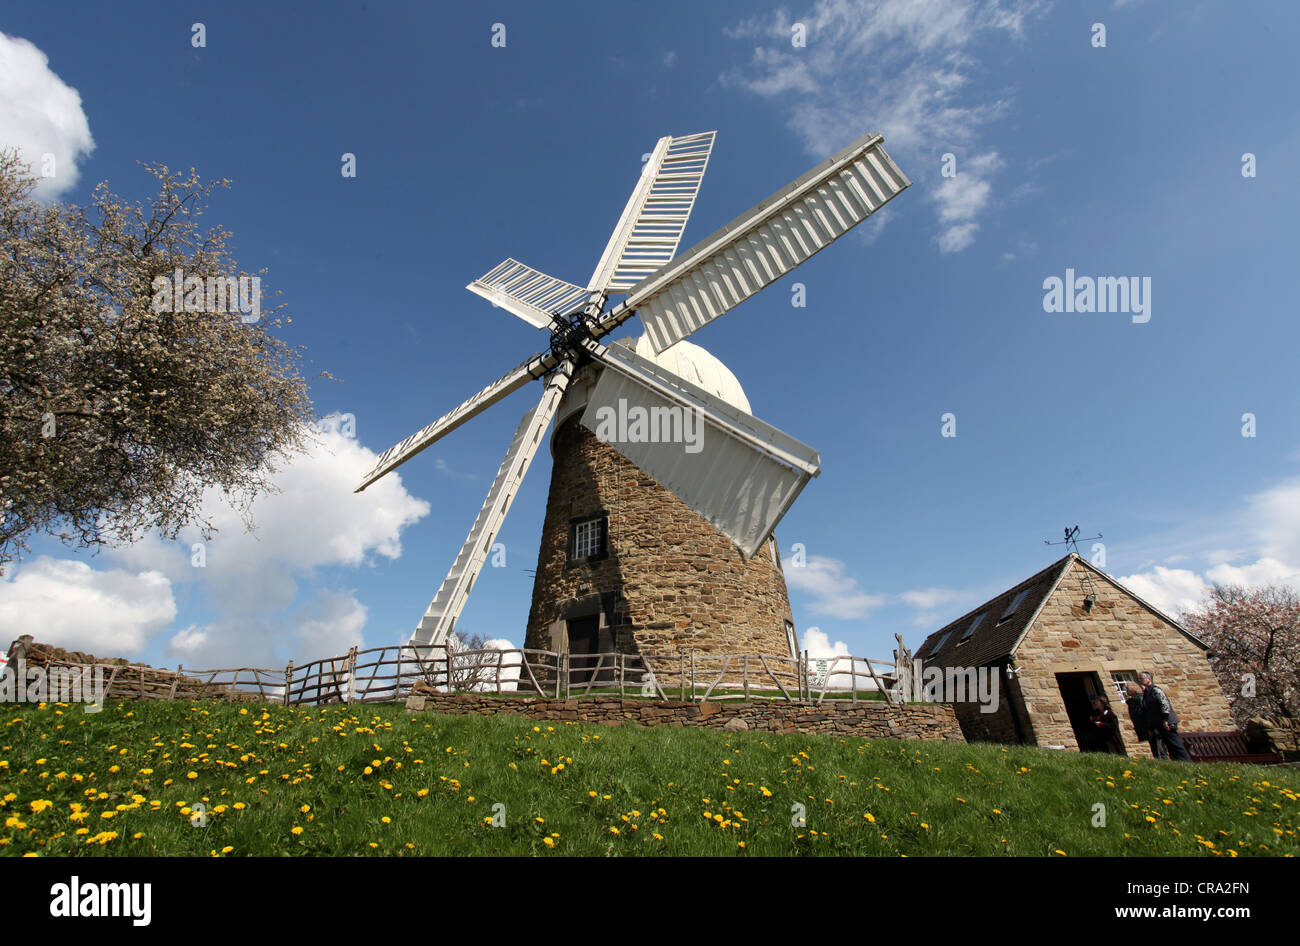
992, 640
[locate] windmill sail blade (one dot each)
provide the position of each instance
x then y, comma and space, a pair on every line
647, 234
764, 243
512, 381
440, 619
528, 293
736, 471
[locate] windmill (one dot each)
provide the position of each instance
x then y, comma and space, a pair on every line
750, 473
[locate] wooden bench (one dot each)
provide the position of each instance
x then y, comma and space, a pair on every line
1224, 747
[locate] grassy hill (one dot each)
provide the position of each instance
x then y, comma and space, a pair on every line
371, 780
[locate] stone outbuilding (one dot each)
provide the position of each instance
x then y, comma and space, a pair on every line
1062, 636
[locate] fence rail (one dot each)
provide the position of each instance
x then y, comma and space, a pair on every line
393, 673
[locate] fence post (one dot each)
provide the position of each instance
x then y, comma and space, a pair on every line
352, 675
853, 665
288, 682
397, 690
171, 695
692, 674
744, 670
561, 670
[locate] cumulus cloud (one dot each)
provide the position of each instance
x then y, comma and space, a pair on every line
250, 580
819, 647
1172, 590
41, 115
833, 593
818, 644
330, 624
1271, 519
900, 67
66, 603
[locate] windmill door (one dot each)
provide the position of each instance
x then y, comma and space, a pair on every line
584, 634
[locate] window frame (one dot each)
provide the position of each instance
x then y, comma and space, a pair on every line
572, 557
1014, 606
974, 625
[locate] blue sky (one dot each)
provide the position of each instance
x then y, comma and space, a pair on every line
1117, 160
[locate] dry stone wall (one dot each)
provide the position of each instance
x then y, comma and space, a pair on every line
867, 720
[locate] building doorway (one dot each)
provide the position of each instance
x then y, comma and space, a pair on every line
584, 636
1077, 692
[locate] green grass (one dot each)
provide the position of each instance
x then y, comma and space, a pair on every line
337, 772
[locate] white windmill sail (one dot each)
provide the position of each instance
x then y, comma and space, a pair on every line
647, 235
528, 293
440, 618
746, 473
738, 472
507, 384
766, 242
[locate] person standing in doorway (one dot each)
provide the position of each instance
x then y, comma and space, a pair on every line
1161, 720
1105, 727
1133, 700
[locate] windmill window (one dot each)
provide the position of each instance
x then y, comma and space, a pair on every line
979, 619
1016, 602
792, 639
589, 538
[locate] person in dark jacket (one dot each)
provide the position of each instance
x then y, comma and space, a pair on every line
1105, 727
1133, 700
1160, 718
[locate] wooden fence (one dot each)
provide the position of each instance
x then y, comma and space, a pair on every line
389, 674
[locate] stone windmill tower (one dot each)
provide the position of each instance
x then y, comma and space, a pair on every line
627, 566
655, 544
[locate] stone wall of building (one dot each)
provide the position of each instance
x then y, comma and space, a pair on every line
1119, 633
875, 720
671, 583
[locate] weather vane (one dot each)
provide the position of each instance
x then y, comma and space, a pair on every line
1072, 540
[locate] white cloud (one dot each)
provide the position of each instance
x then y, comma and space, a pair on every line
1172, 590
670, 58
900, 67
1272, 519
250, 580
441, 466
41, 114
818, 644
314, 520
931, 602
68, 604
833, 593
330, 624
1266, 571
